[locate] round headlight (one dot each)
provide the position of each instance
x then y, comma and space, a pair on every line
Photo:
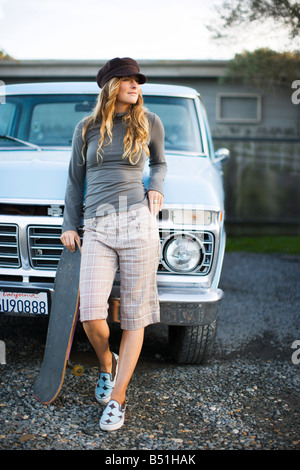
182, 253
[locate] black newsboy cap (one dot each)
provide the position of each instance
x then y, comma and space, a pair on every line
119, 67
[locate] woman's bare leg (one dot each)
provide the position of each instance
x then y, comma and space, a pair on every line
130, 349
98, 332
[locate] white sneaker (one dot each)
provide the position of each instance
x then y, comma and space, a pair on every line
113, 416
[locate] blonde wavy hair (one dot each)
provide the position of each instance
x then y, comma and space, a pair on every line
136, 122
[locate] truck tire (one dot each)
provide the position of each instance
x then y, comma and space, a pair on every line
192, 344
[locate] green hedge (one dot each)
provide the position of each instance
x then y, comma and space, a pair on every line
277, 244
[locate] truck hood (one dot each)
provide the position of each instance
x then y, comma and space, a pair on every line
192, 180
40, 176
34, 176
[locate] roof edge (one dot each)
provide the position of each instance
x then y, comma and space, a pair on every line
83, 68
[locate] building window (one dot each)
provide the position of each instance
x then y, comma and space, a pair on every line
238, 107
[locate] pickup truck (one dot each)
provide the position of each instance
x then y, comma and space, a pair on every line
37, 122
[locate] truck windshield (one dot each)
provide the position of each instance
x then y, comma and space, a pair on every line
49, 120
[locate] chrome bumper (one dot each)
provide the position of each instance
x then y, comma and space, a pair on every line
188, 308
178, 305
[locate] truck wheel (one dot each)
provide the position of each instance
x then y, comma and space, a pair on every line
192, 344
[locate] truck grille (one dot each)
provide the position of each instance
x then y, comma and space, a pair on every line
208, 244
9, 246
45, 246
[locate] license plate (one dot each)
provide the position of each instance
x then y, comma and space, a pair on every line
29, 303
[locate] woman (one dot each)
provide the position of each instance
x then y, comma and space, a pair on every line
109, 151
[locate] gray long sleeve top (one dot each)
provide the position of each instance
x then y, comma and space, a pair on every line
115, 184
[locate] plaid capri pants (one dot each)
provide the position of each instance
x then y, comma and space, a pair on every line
128, 241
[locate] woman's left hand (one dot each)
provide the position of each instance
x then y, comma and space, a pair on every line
156, 201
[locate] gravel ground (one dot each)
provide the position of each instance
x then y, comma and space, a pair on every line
245, 397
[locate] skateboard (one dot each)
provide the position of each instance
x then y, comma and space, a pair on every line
62, 323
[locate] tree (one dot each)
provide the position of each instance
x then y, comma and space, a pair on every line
5, 56
263, 68
234, 13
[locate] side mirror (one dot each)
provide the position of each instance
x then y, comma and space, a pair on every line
221, 155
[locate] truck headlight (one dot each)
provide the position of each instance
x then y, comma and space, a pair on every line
183, 253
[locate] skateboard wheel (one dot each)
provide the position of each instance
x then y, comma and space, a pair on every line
78, 370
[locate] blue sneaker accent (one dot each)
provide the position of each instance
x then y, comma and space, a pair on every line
106, 382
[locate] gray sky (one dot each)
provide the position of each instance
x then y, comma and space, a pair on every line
101, 29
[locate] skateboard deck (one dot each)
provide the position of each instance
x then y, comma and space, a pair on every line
61, 328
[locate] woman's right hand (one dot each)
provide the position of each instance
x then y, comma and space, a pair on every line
69, 238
